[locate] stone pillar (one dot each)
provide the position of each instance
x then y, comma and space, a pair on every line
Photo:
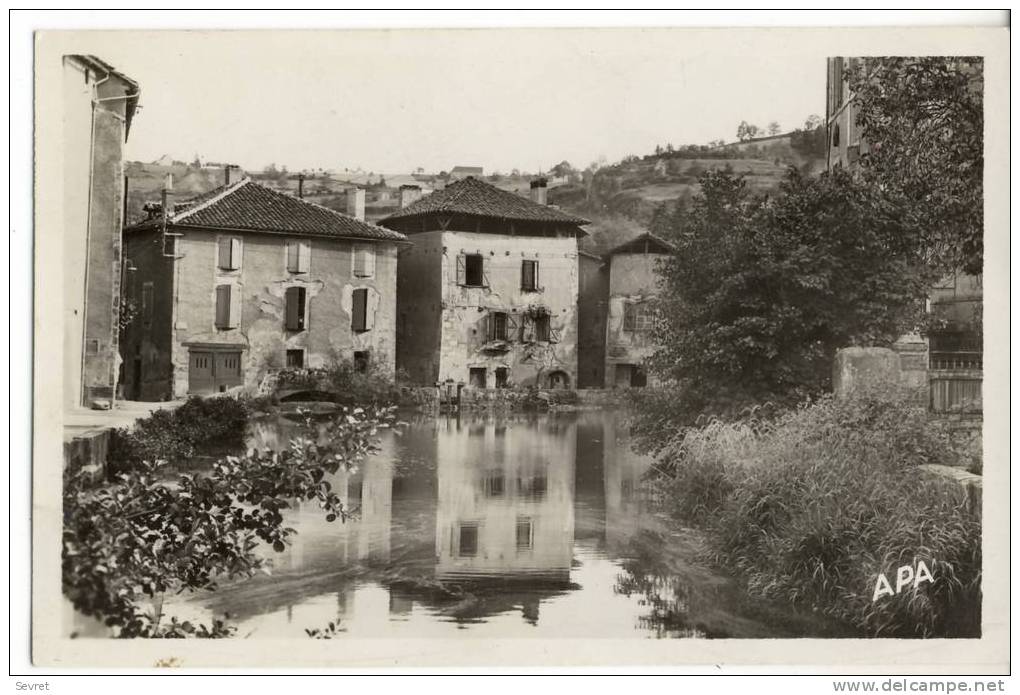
858, 367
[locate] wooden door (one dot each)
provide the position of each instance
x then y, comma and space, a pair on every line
227, 370
200, 372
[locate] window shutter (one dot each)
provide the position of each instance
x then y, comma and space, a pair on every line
485, 271
359, 262
295, 313
292, 257
534, 267
304, 259
369, 315
359, 309
524, 275
234, 318
223, 260
628, 317
223, 306
235, 253
461, 270
490, 327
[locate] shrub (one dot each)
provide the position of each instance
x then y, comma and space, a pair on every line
812, 506
176, 435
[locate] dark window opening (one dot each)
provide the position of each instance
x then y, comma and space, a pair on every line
638, 376
531, 488
467, 545
473, 270
476, 377
529, 276
835, 135
495, 485
502, 377
542, 328
498, 323
295, 297
295, 359
361, 361
524, 535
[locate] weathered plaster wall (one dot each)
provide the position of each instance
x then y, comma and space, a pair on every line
632, 278
146, 346
465, 308
592, 308
419, 307
93, 189
76, 149
262, 281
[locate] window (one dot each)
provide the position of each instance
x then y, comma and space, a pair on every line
361, 360
360, 320
476, 377
529, 276
299, 256
637, 317
498, 326
295, 359
502, 377
468, 541
364, 261
542, 329
471, 270
229, 253
228, 306
532, 487
495, 484
525, 536
835, 135
295, 315
147, 303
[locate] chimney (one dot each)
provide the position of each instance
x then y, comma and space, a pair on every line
356, 203
226, 173
408, 194
539, 190
300, 185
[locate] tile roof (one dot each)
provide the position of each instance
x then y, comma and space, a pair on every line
248, 206
473, 196
657, 243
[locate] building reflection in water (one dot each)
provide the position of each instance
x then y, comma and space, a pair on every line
505, 500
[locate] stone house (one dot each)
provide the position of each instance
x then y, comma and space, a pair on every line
946, 366
487, 294
98, 106
633, 286
243, 280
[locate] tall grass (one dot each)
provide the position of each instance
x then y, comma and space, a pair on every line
813, 505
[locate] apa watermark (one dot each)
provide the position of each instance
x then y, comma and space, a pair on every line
905, 576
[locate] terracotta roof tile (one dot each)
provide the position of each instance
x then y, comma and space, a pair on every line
472, 196
248, 206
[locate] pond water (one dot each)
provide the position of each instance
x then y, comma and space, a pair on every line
493, 526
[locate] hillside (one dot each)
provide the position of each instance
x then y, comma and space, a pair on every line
632, 189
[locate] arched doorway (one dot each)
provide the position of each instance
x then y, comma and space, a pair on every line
559, 380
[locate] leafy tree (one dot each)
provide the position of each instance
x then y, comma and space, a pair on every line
125, 545
813, 121
762, 291
747, 131
922, 120
774, 128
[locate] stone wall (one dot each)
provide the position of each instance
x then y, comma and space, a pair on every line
262, 281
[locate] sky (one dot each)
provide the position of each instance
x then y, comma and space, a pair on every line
393, 101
